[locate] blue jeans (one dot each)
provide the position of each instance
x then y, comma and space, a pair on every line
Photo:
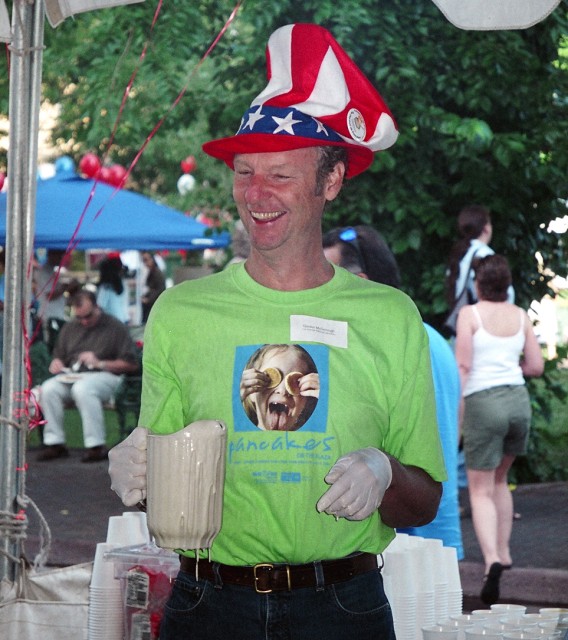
199, 610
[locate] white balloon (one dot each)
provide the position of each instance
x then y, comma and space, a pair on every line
185, 183
46, 170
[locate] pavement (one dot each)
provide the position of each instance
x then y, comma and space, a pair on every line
75, 500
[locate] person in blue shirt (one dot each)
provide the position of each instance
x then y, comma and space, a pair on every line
363, 251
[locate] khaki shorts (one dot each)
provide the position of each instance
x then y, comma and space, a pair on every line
496, 422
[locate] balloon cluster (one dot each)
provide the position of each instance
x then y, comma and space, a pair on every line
186, 182
91, 166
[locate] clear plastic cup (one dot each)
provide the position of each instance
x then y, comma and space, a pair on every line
482, 614
465, 619
552, 612
501, 627
440, 632
509, 609
481, 633
522, 635
530, 619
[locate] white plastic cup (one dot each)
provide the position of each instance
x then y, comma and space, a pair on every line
142, 534
552, 612
465, 619
482, 614
522, 635
398, 565
122, 531
530, 619
422, 569
103, 570
399, 543
440, 632
511, 610
500, 627
480, 633
563, 620
450, 557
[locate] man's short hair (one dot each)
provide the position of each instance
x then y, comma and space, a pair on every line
328, 157
82, 296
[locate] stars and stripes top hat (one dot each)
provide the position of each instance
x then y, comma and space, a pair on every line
316, 96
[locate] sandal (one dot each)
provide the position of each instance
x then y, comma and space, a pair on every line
490, 591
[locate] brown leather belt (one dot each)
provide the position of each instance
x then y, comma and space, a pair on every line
266, 577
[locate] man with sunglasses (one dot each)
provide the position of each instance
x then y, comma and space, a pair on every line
306, 511
90, 354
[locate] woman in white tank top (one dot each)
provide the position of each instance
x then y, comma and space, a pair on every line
496, 348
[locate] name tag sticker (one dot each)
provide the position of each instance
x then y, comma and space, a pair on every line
312, 329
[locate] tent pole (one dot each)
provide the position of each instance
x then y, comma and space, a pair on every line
25, 91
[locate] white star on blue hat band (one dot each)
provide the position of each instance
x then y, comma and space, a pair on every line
285, 121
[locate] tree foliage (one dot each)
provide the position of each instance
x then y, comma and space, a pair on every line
482, 117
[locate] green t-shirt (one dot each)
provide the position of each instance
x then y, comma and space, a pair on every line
359, 354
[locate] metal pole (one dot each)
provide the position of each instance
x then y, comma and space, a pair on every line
25, 88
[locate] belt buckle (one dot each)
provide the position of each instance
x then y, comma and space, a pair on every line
261, 565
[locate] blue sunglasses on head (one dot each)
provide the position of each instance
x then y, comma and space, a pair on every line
349, 236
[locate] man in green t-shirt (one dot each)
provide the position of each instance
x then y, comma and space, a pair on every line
323, 379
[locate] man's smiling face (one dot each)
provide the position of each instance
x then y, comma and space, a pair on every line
275, 194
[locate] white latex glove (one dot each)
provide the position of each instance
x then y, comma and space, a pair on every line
358, 483
127, 467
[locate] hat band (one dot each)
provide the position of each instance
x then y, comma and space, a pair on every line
286, 122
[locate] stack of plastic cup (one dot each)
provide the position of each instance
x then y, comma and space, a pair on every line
400, 542
398, 545
455, 591
106, 611
106, 616
424, 569
401, 594
434, 547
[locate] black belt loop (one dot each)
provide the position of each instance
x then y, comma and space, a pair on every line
320, 579
217, 574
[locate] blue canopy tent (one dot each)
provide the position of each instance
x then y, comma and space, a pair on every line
113, 219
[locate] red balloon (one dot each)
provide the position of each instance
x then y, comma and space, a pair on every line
188, 165
2, 178
90, 165
117, 175
105, 175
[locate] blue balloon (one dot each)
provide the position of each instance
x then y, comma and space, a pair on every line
64, 164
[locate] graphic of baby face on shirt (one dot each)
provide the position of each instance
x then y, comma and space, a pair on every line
280, 387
